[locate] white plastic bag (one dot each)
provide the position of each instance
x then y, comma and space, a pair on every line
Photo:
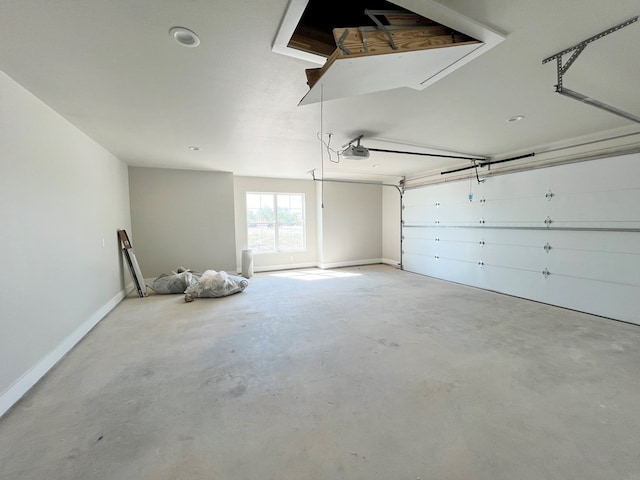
216, 284
176, 282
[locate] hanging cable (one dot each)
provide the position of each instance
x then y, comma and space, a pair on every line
322, 149
330, 150
475, 166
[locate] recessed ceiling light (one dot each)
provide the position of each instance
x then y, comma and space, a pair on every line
184, 37
515, 118
194, 149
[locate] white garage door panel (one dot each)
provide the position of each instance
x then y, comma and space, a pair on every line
522, 258
608, 267
613, 301
458, 251
422, 264
515, 282
422, 246
517, 237
598, 209
603, 242
419, 215
441, 268
593, 241
516, 212
451, 214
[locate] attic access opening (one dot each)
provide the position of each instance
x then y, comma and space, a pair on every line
314, 32
376, 45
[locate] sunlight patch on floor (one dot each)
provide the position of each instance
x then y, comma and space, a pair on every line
310, 275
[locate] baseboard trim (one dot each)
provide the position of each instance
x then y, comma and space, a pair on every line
352, 263
393, 263
21, 386
287, 266
324, 266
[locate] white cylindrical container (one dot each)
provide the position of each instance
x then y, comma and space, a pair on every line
247, 263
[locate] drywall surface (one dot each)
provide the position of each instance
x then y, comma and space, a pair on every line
269, 261
351, 224
63, 199
319, 225
566, 235
390, 226
182, 218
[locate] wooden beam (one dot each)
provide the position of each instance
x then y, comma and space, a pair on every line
312, 40
407, 19
406, 40
313, 75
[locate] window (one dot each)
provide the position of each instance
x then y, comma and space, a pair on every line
275, 222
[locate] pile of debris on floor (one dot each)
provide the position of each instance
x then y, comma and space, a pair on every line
207, 284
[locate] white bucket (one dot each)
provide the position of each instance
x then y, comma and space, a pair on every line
247, 263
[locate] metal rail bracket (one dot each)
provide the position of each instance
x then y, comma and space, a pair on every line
575, 52
341, 40
372, 15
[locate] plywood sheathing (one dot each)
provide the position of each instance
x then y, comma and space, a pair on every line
407, 40
405, 19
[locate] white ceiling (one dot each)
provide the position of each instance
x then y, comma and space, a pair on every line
111, 68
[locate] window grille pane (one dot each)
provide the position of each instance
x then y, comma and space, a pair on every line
275, 222
261, 222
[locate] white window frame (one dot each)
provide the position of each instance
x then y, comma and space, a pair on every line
277, 223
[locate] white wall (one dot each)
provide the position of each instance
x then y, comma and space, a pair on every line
497, 240
391, 226
351, 224
319, 221
63, 198
182, 218
274, 261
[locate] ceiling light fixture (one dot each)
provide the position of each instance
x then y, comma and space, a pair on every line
194, 149
515, 118
184, 37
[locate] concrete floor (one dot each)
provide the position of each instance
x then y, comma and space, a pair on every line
358, 373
